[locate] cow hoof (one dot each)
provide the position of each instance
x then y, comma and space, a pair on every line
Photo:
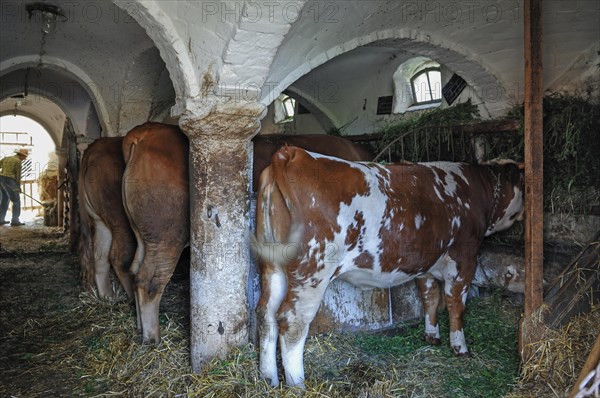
456, 350
150, 341
432, 340
272, 382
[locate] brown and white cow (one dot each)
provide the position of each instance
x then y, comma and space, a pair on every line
106, 237
156, 197
320, 218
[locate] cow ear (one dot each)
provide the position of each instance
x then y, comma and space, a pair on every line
521, 165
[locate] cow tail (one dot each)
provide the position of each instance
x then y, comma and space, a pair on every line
270, 248
128, 147
86, 248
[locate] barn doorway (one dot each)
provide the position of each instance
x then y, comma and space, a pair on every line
39, 181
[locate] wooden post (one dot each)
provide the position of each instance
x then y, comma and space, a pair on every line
534, 177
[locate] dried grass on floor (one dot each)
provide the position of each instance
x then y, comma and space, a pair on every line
557, 358
337, 365
116, 358
101, 348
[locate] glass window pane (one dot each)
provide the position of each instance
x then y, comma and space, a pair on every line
435, 79
421, 88
288, 105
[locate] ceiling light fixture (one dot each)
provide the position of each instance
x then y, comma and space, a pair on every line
50, 14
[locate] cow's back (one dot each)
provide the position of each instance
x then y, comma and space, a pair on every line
266, 145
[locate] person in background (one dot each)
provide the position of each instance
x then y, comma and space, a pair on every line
10, 182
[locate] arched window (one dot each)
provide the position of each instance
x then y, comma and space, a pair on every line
414, 87
285, 108
427, 86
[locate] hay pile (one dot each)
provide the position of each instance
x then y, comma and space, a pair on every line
73, 344
430, 135
556, 359
114, 359
337, 365
571, 146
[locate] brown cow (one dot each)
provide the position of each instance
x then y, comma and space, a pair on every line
156, 197
320, 218
106, 237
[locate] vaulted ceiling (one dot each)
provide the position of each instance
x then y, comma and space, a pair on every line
111, 65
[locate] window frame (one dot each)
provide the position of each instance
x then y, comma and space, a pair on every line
414, 93
288, 118
280, 111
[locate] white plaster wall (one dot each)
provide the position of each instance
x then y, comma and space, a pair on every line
347, 89
223, 48
487, 36
307, 124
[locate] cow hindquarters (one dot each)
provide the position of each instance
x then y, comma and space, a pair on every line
294, 317
274, 288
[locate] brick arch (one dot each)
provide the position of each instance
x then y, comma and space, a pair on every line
68, 77
173, 51
246, 65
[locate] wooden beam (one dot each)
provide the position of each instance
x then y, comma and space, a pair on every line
531, 325
484, 127
534, 172
492, 127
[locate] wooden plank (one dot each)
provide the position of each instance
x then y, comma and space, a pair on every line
492, 127
484, 127
534, 173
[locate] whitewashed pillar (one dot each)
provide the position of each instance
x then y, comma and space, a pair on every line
220, 168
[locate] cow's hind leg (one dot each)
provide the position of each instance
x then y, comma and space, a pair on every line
457, 281
149, 283
102, 242
294, 317
430, 295
138, 259
273, 290
121, 257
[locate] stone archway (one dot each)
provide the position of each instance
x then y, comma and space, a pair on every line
457, 58
63, 83
161, 30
